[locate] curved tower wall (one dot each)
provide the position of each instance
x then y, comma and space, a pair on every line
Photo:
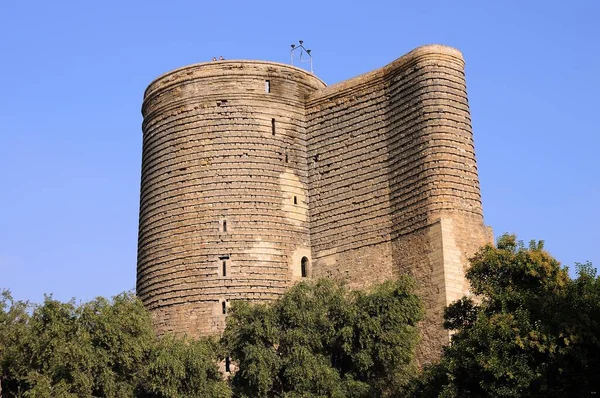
435, 199
224, 190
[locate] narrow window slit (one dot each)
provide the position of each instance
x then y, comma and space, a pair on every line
227, 365
286, 158
267, 86
295, 200
224, 307
273, 126
224, 226
222, 265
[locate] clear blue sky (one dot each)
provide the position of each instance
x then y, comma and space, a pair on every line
73, 74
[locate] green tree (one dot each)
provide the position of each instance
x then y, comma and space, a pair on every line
99, 349
323, 340
179, 367
531, 331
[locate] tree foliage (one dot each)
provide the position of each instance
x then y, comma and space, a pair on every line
99, 349
531, 331
323, 340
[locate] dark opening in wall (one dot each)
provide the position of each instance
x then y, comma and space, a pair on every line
273, 126
304, 267
224, 225
295, 200
223, 265
224, 307
267, 86
227, 364
286, 158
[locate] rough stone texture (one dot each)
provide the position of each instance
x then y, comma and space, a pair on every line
368, 179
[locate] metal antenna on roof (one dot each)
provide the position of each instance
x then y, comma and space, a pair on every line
301, 54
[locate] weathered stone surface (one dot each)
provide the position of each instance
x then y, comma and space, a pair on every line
248, 167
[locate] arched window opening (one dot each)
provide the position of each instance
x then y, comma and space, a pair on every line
304, 267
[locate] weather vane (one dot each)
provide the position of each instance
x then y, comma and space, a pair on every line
301, 54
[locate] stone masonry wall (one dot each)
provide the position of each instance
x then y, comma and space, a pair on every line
259, 165
349, 181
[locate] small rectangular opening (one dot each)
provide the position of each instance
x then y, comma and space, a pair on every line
223, 265
224, 307
267, 86
224, 225
273, 126
295, 200
227, 364
286, 158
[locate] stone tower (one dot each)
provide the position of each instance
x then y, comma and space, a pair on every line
256, 174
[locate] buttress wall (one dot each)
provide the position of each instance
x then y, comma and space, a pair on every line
393, 181
437, 216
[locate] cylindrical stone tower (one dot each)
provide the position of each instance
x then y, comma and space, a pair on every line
223, 207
